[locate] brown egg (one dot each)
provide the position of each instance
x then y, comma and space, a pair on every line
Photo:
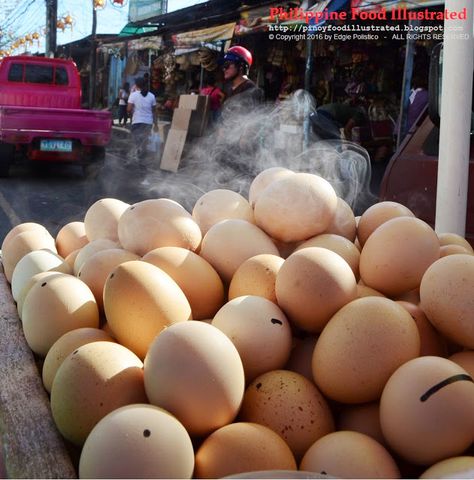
361, 346
291, 406
96, 268
194, 371
431, 342
337, 244
92, 381
101, 218
446, 298
343, 222
161, 223
259, 330
71, 258
59, 304
455, 467
312, 285
70, 237
377, 214
413, 296
397, 254
20, 228
347, 454
426, 410
454, 239
242, 447
296, 207
65, 345
90, 249
230, 243
221, 204
301, 356
256, 276
464, 359
137, 441
195, 276
365, 291
263, 180
452, 249
363, 418
140, 300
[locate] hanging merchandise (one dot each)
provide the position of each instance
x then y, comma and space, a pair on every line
208, 58
167, 66
132, 64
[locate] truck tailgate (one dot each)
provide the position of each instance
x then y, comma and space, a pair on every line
24, 124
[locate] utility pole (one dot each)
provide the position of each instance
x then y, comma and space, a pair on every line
51, 21
93, 58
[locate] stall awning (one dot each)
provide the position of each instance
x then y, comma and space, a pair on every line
197, 38
152, 43
131, 29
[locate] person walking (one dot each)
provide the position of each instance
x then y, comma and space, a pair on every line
123, 95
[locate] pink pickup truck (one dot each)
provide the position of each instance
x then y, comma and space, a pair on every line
41, 118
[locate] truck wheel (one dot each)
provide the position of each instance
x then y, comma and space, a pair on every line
7, 153
96, 163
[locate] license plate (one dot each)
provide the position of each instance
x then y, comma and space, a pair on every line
56, 145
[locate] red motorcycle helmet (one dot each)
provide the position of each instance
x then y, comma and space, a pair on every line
239, 54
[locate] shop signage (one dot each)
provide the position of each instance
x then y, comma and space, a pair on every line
205, 35
390, 5
144, 9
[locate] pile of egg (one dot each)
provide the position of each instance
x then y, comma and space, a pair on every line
271, 333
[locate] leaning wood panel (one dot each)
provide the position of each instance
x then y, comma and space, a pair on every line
31, 446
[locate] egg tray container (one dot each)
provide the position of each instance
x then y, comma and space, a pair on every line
30, 444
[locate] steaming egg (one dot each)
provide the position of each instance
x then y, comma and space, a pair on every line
361, 346
160, 223
90, 249
230, 243
454, 239
464, 359
263, 180
65, 345
35, 262
452, 249
455, 467
101, 218
137, 441
397, 254
221, 204
312, 285
337, 244
446, 297
346, 454
377, 214
296, 207
195, 276
95, 269
291, 406
242, 447
301, 355
92, 381
259, 330
194, 371
59, 304
70, 237
140, 300
343, 222
426, 410
256, 276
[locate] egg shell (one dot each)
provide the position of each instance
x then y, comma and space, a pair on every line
101, 219
296, 207
378, 214
312, 285
194, 275
464, 359
264, 179
242, 447
426, 410
70, 237
301, 356
259, 330
413, 296
455, 467
194, 371
361, 346
140, 300
447, 300
137, 441
71, 258
161, 223
397, 254
221, 204
90, 249
20, 228
96, 268
230, 243
343, 222
452, 249
92, 381
291, 406
454, 239
256, 276
347, 454
365, 291
337, 244
55, 306
65, 345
